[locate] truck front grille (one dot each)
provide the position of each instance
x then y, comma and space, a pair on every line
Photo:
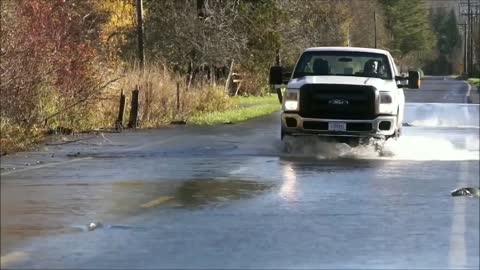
323, 126
336, 101
315, 125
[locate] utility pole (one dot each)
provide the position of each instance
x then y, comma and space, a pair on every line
470, 34
467, 9
465, 41
140, 34
375, 27
278, 60
477, 28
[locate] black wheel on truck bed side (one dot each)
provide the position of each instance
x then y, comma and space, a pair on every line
398, 130
283, 133
395, 135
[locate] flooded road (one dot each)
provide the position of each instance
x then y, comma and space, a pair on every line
232, 197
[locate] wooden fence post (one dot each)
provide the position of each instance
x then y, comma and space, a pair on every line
121, 112
132, 123
178, 97
229, 78
175, 115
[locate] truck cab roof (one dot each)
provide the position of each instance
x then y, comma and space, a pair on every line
347, 49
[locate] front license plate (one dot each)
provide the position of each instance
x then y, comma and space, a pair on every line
337, 126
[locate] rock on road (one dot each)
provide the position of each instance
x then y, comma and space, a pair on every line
230, 197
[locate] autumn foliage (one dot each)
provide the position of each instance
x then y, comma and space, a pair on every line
47, 50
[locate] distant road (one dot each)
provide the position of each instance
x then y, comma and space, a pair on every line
438, 89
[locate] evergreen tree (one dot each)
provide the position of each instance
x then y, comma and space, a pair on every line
448, 42
451, 32
407, 21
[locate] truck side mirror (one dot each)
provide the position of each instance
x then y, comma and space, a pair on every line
401, 81
276, 75
413, 79
276, 79
286, 76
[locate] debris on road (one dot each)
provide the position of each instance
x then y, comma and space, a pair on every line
157, 202
178, 122
73, 154
468, 191
93, 226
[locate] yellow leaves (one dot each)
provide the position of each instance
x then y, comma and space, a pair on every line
120, 14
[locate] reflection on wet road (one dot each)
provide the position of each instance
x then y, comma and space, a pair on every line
60, 208
230, 197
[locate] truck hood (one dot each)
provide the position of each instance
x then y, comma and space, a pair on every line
350, 80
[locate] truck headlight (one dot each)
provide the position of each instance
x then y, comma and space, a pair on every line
385, 98
387, 104
291, 100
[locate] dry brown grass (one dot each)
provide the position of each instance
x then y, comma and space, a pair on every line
15, 138
158, 97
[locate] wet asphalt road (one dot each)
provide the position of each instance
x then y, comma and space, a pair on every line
439, 89
231, 197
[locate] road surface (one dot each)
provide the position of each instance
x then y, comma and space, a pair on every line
439, 89
231, 197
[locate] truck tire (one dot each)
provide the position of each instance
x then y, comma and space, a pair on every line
397, 133
283, 133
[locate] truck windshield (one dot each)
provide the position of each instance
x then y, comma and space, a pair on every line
340, 63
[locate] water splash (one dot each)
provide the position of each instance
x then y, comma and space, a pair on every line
405, 148
430, 148
448, 115
313, 147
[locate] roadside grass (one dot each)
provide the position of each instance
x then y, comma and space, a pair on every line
245, 108
476, 82
16, 138
255, 100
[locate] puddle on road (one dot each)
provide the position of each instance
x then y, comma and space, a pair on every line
201, 193
68, 208
195, 151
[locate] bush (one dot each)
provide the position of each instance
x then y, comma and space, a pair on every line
47, 59
254, 84
15, 137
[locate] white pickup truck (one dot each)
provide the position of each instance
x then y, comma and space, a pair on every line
350, 94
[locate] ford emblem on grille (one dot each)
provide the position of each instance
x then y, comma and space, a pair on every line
338, 102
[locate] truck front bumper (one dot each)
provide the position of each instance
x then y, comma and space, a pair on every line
381, 127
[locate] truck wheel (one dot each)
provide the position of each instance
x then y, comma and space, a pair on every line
354, 142
379, 146
396, 134
283, 134
398, 131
